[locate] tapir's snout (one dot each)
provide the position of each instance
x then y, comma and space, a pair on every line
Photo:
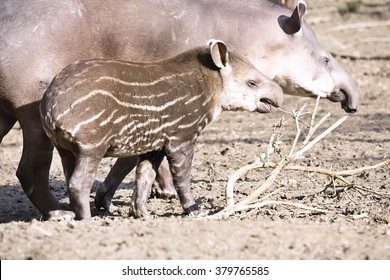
272, 97
350, 104
345, 90
348, 95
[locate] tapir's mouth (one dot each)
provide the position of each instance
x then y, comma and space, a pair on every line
265, 105
341, 96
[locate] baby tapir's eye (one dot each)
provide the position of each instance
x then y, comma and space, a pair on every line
251, 84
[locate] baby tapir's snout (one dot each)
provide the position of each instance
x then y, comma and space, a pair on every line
100, 108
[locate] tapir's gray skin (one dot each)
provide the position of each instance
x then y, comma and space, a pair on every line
100, 108
38, 38
288, 3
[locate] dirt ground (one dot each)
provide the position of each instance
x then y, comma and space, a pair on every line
356, 226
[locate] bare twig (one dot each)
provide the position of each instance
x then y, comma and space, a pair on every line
296, 115
319, 137
370, 191
312, 128
361, 169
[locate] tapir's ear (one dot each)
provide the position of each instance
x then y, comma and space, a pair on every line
293, 24
219, 53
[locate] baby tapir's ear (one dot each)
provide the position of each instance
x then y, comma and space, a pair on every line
219, 53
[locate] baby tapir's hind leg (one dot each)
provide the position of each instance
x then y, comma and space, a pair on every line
80, 185
147, 167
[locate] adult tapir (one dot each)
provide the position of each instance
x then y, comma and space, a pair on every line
40, 37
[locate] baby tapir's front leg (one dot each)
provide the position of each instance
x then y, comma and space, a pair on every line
180, 160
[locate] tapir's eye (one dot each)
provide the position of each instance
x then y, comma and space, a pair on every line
326, 60
251, 84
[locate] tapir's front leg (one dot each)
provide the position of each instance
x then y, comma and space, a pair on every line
180, 161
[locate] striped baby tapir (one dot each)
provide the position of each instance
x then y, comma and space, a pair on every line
99, 108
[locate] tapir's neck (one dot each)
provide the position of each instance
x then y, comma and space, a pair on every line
172, 37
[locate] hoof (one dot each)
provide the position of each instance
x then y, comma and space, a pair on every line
163, 194
192, 208
197, 213
102, 202
138, 213
61, 215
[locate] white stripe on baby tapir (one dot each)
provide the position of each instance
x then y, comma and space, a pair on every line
165, 125
181, 126
196, 97
137, 126
208, 99
77, 127
155, 131
121, 62
106, 139
119, 119
155, 143
127, 126
151, 96
127, 104
144, 84
106, 121
146, 123
119, 102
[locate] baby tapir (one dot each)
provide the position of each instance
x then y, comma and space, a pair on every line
100, 108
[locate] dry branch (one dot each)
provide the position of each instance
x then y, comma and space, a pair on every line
252, 200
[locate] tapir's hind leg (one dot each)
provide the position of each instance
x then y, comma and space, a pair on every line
6, 124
